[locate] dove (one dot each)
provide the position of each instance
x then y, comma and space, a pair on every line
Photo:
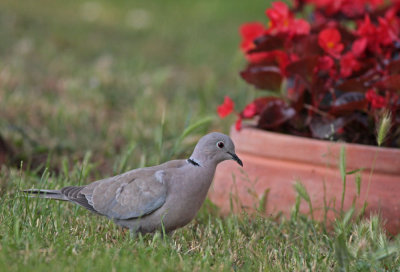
163, 197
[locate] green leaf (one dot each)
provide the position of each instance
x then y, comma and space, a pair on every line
342, 166
302, 192
196, 125
188, 130
348, 215
342, 253
385, 252
358, 183
354, 171
123, 163
262, 206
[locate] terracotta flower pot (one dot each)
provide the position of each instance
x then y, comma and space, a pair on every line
276, 161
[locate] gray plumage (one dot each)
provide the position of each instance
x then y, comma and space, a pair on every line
144, 199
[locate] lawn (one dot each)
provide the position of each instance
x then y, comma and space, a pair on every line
92, 89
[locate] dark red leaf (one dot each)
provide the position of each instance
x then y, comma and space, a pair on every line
275, 113
354, 85
295, 92
269, 43
359, 84
390, 83
347, 128
257, 106
261, 102
322, 128
377, 101
367, 69
304, 68
349, 102
306, 46
347, 36
320, 88
394, 67
263, 77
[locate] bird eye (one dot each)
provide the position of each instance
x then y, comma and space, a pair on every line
220, 144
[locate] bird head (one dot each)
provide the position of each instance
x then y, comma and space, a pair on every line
215, 147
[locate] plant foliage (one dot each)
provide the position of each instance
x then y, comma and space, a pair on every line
334, 74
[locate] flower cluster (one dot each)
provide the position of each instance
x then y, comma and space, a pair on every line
334, 75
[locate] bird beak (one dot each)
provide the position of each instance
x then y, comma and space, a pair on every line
236, 158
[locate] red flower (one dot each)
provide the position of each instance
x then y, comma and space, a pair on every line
353, 8
282, 20
300, 27
386, 35
329, 40
281, 59
279, 16
325, 67
225, 108
238, 124
348, 64
369, 31
275, 57
382, 35
375, 3
377, 101
249, 111
393, 20
359, 46
329, 6
325, 63
350, 8
249, 33
366, 28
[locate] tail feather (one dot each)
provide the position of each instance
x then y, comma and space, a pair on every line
52, 194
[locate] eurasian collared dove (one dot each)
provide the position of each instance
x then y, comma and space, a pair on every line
145, 199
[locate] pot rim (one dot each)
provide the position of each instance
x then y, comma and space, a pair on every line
315, 151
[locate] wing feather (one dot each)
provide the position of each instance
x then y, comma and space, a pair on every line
129, 196
73, 194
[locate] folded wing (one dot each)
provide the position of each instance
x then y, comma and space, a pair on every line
126, 197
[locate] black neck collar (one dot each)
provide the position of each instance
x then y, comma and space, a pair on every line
192, 162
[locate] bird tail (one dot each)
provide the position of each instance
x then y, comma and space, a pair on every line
41, 193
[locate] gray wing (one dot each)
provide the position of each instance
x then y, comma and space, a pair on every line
73, 194
128, 196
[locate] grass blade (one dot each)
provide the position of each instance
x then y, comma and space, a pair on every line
202, 122
342, 167
302, 192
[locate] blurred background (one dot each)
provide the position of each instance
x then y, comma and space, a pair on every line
116, 82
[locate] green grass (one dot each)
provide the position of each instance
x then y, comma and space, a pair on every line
91, 89
43, 235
